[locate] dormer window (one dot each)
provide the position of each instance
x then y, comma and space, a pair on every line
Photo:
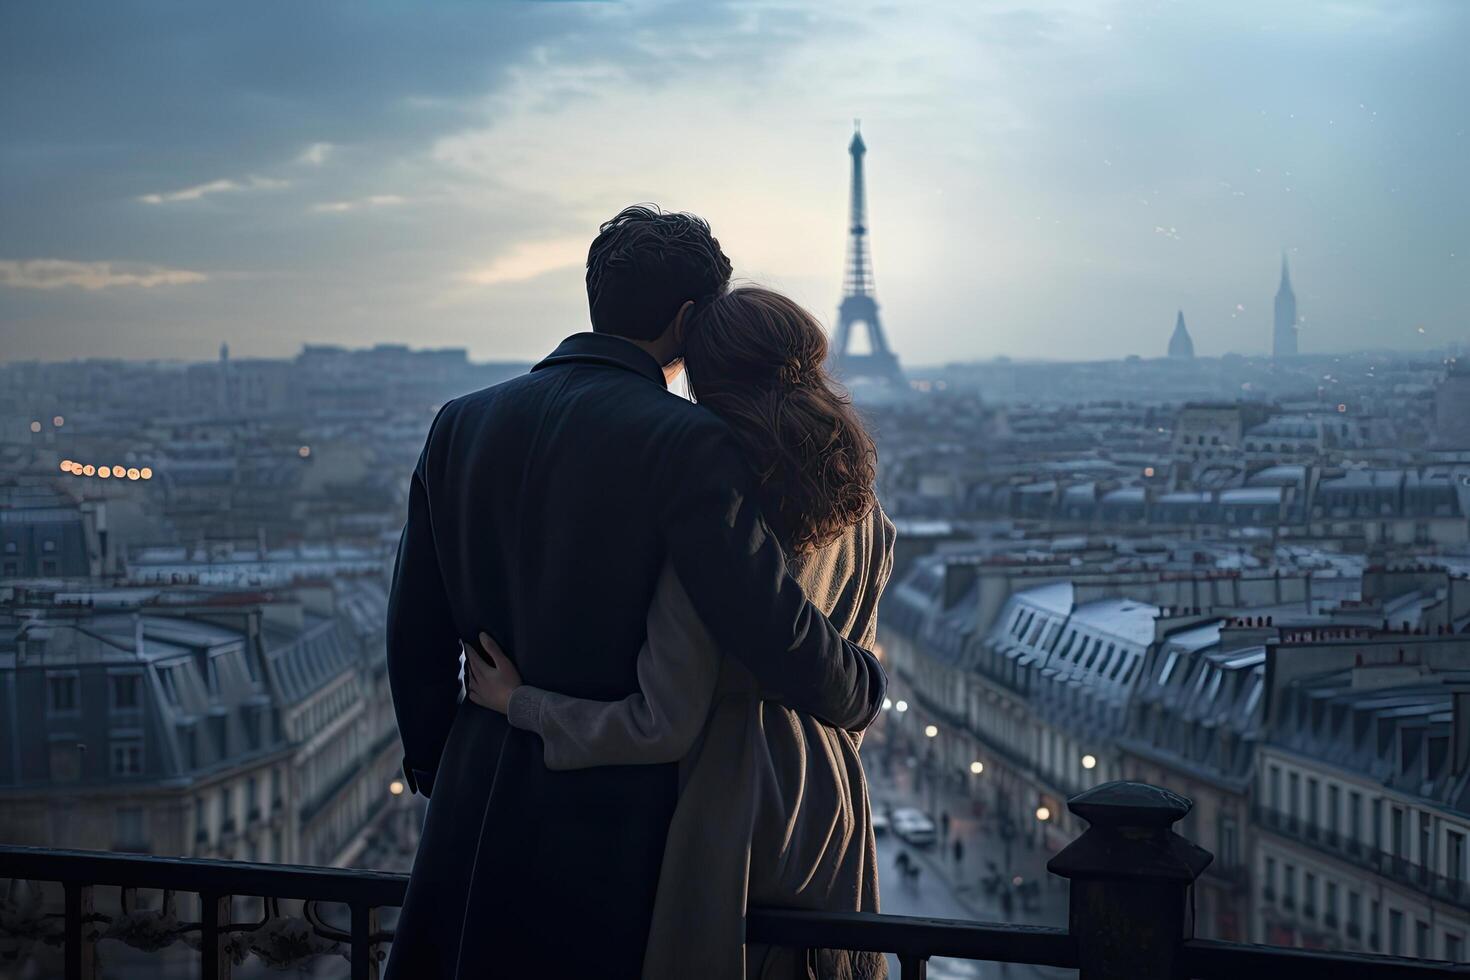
62, 693
126, 692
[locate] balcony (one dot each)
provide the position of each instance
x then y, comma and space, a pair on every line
1456, 891
1129, 874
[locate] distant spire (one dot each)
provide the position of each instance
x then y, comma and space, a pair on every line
1284, 323
1181, 344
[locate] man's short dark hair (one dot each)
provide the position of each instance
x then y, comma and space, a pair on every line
644, 264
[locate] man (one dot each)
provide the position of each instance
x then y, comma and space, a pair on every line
542, 511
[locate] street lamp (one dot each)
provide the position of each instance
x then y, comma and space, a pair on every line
1043, 813
931, 730
977, 767
887, 704
1089, 761
901, 707
396, 787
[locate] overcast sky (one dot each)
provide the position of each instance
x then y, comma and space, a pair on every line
1046, 179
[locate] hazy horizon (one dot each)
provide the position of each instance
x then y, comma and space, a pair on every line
1043, 177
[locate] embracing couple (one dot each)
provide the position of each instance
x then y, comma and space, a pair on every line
665, 608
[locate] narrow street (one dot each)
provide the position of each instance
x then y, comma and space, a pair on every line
948, 889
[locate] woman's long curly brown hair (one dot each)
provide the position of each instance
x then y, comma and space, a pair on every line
757, 359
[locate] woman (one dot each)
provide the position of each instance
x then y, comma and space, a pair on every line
773, 806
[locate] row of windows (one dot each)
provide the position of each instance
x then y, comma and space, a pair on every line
48, 546
1115, 665
1342, 909
63, 692
1389, 825
321, 711
253, 728
125, 690
250, 800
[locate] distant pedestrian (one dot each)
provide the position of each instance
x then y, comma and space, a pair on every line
944, 824
959, 851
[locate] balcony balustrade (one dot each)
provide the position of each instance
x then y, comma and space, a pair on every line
1456, 891
1130, 879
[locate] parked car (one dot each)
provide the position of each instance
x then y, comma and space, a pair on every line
880, 823
914, 826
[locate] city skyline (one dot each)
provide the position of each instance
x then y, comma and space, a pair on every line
1062, 176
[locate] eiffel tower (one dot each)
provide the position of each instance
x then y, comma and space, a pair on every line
859, 308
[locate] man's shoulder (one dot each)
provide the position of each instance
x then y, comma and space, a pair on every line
636, 404
693, 418
483, 403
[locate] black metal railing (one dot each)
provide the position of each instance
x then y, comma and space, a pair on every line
1129, 878
220, 939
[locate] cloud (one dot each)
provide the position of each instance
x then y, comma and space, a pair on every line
316, 154
61, 273
358, 204
1011, 144
225, 186
528, 260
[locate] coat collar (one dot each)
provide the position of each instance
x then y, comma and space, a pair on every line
601, 348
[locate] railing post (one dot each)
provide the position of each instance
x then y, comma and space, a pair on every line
364, 965
1130, 878
215, 911
913, 967
80, 936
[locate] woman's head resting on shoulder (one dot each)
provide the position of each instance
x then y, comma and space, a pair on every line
758, 360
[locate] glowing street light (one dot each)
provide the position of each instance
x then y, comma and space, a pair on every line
35, 426
146, 473
1089, 762
88, 470
396, 787
1043, 813
931, 730
104, 471
134, 473
58, 421
977, 767
887, 704
304, 452
66, 466
901, 707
